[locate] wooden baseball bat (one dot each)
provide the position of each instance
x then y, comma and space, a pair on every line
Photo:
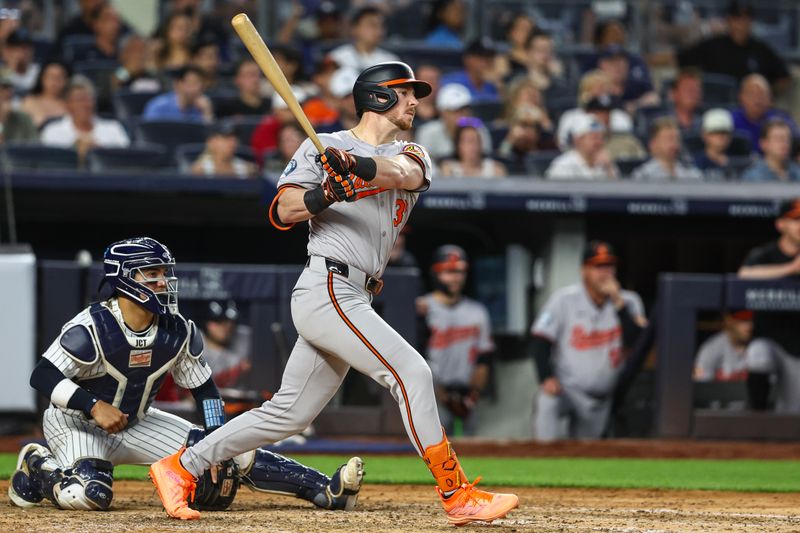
261, 54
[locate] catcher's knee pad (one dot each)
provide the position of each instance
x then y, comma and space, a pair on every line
210, 496
265, 471
86, 486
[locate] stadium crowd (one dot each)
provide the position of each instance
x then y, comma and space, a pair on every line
523, 104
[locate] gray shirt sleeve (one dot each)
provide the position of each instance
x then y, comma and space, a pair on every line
550, 321
708, 361
304, 169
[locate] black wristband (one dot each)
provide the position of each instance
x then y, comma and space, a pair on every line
83, 400
315, 201
365, 168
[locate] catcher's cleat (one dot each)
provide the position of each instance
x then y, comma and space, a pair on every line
345, 483
174, 485
469, 504
24, 489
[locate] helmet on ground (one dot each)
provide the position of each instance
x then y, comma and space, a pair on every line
372, 90
122, 260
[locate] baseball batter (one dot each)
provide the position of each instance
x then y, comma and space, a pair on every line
102, 373
579, 340
459, 338
357, 196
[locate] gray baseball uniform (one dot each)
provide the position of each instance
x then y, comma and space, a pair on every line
458, 335
719, 360
587, 360
71, 435
331, 310
768, 357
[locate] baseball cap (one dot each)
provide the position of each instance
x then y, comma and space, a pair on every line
224, 127
717, 120
613, 50
278, 103
739, 9
741, 314
790, 209
585, 123
218, 310
342, 82
453, 96
19, 38
480, 47
598, 253
602, 102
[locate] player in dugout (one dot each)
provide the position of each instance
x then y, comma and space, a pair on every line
102, 373
580, 339
774, 352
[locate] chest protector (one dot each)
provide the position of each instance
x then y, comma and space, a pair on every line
133, 374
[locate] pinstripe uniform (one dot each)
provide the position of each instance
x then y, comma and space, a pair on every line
151, 434
332, 313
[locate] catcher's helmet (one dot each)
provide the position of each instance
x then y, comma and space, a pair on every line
123, 259
376, 81
449, 257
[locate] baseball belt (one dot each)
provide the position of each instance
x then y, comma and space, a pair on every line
323, 264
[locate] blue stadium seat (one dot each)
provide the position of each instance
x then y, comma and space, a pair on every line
170, 133
186, 154
141, 158
497, 133
419, 53
75, 47
39, 157
487, 111
645, 116
244, 127
740, 144
100, 74
627, 166
129, 104
537, 162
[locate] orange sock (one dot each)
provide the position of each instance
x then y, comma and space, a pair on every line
444, 465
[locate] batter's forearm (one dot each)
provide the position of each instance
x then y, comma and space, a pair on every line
398, 172
291, 207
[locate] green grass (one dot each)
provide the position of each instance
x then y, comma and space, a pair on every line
732, 475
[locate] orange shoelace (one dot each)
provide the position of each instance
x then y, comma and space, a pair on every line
473, 494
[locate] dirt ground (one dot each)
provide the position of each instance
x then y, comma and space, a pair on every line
403, 509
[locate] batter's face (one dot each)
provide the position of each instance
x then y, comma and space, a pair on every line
402, 113
454, 279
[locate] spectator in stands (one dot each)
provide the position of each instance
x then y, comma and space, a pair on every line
447, 24
8, 25
514, 63
265, 136
619, 144
614, 61
469, 158
610, 37
341, 90
478, 57
579, 341
665, 150
436, 136
81, 24
588, 159
775, 350
205, 27
686, 97
524, 92
205, 56
173, 42
46, 100
15, 125
367, 31
737, 53
544, 68
250, 101
717, 131
426, 108
755, 99
18, 61
219, 157
776, 163
723, 357
107, 28
185, 102
595, 83
290, 137
81, 128
524, 137
227, 344
290, 61
134, 71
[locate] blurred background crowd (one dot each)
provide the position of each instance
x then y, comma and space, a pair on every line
650, 91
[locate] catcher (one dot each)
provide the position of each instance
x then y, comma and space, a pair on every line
102, 373
459, 342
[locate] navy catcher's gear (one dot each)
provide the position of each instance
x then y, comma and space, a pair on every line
25, 488
195, 341
272, 472
213, 414
86, 486
123, 259
375, 83
210, 496
77, 342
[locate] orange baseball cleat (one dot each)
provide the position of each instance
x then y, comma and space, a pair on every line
174, 485
469, 504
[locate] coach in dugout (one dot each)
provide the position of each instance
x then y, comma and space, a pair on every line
579, 342
774, 352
